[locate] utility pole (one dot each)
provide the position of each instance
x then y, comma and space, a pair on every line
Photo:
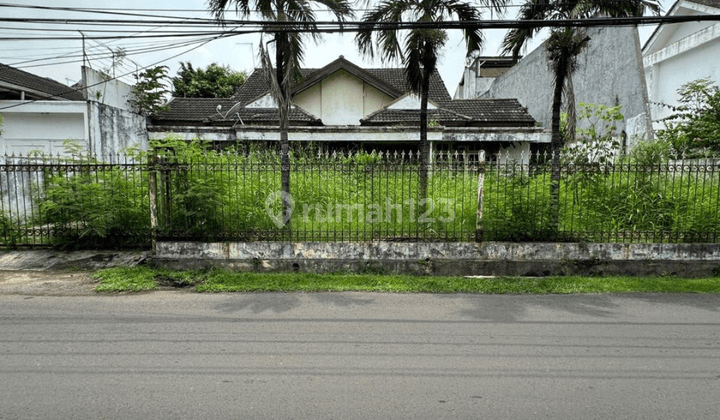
86, 62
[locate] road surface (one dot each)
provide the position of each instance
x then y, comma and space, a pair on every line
179, 355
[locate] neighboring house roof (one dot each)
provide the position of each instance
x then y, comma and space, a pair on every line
465, 112
412, 116
35, 87
205, 110
493, 111
674, 9
269, 116
195, 109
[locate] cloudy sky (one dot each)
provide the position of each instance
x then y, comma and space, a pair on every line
61, 60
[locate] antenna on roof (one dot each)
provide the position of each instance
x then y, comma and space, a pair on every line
237, 114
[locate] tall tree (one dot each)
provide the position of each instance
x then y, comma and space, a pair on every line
150, 92
214, 81
563, 46
289, 22
418, 49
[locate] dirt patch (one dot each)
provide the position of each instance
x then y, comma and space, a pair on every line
172, 283
47, 283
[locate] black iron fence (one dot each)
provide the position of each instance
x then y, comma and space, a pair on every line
127, 201
75, 201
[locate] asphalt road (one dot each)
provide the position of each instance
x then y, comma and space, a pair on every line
178, 355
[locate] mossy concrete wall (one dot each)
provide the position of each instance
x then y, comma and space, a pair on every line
489, 258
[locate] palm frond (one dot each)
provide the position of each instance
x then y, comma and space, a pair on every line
516, 39
218, 7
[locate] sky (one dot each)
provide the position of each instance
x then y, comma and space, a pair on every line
62, 60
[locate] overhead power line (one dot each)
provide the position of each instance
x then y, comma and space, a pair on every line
104, 54
259, 26
117, 77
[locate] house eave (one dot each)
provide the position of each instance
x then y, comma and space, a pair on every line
33, 94
379, 134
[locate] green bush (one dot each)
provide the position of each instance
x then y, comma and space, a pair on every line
103, 207
9, 230
694, 127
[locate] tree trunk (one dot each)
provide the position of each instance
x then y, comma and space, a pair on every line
570, 105
284, 111
283, 54
424, 146
556, 143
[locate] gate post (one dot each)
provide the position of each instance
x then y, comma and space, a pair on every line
479, 231
152, 176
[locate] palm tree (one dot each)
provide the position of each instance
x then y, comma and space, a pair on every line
281, 15
563, 47
420, 48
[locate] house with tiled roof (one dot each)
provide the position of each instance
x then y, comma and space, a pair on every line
679, 53
40, 114
21, 85
343, 105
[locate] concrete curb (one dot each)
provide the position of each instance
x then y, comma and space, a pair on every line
457, 259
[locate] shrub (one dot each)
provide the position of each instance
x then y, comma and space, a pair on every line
103, 207
694, 127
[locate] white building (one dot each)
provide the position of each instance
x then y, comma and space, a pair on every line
681, 52
40, 114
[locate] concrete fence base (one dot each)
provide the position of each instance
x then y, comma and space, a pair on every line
466, 259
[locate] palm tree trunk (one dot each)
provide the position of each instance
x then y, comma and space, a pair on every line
556, 144
283, 53
424, 145
570, 105
285, 151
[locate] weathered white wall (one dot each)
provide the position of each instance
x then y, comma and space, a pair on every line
193, 133
373, 100
457, 135
311, 100
111, 130
334, 134
610, 72
42, 126
472, 86
109, 92
341, 99
45, 125
409, 101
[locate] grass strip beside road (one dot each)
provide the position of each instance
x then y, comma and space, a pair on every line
126, 279
136, 279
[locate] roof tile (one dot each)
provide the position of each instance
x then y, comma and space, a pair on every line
50, 87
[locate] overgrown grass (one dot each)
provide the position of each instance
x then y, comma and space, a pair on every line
126, 279
142, 278
210, 195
